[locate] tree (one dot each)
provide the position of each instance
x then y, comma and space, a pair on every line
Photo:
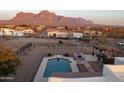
60, 42
49, 54
8, 61
102, 39
66, 54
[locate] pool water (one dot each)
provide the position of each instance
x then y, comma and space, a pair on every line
57, 65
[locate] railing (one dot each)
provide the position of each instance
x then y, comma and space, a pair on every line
23, 48
51, 45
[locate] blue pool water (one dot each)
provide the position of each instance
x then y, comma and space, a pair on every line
55, 65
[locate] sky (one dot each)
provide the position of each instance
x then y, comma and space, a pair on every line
108, 17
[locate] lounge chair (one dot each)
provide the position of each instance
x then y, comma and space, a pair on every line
82, 56
75, 56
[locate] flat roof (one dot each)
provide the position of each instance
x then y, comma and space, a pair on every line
117, 70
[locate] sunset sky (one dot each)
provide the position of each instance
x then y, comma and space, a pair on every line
112, 17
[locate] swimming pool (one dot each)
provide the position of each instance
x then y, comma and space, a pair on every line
57, 65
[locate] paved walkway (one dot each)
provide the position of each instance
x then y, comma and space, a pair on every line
88, 66
30, 63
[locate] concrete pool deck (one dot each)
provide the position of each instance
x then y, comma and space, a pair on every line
39, 75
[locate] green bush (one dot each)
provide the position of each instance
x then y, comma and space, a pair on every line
60, 42
66, 55
49, 54
8, 61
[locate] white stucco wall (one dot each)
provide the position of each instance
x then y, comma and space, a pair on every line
18, 33
6, 31
62, 34
119, 60
58, 34
77, 35
28, 31
11, 32
87, 79
111, 77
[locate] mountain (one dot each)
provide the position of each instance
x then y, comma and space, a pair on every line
46, 18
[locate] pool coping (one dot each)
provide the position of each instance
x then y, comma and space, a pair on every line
39, 75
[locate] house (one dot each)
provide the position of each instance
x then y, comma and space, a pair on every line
77, 35
95, 33
58, 34
6, 31
18, 33
10, 32
61, 27
62, 34
53, 32
40, 27
86, 32
28, 31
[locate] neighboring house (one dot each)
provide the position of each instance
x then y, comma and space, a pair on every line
58, 34
43, 34
40, 27
62, 35
28, 31
95, 33
61, 27
10, 32
18, 33
77, 35
92, 33
6, 31
86, 32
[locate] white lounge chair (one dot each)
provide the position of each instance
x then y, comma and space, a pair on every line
75, 55
82, 56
